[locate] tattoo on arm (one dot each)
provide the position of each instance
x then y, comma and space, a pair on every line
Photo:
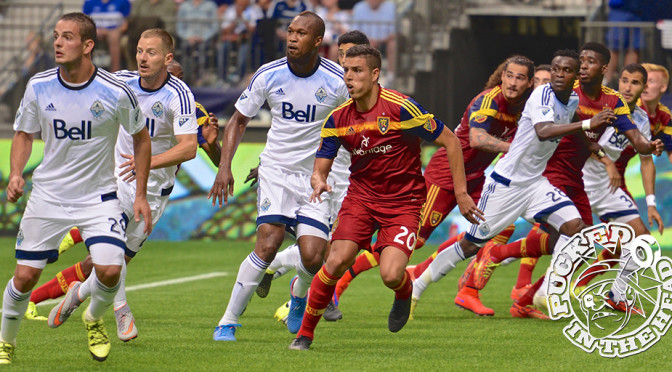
482, 140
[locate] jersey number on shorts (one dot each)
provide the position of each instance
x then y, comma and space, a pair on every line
116, 225
410, 240
627, 200
555, 198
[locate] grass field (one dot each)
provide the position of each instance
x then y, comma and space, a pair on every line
176, 321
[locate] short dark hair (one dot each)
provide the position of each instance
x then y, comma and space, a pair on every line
636, 67
317, 22
543, 67
87, 27
372, 55
598, 48
353, 37
570, 53
167, 41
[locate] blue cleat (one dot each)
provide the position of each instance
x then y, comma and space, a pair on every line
297, 307
225, 332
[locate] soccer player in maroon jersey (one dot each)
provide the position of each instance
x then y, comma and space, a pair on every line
659, 114
382, 130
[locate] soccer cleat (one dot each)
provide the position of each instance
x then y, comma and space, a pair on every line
469, 299
282, 312
332, 313
126, 329
300, 343
225, 332
297, 306
265, 285
414, 303
31, 312
401, 310
540, 301
577, 291
99, 343
622, 306
486, 265
67, 243
6, 353
61, 312
518, 311
517, 293
466, 274
410, 269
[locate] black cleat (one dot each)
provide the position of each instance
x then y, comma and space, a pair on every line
300, 343
401, 309
332, 313
265, 285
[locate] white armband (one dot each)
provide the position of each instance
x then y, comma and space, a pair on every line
585, 125
651, 200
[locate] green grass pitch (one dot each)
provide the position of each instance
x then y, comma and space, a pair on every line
176, 322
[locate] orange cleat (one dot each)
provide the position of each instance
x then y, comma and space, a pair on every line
469, 299
622, 306
486, 265
517, 293
409, 270
518, 311
467, 273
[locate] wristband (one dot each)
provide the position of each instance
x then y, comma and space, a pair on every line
651, 200
600, 153
585, 125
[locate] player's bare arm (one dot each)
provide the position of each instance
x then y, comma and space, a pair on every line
321, 169
252, 176
648, 169
142, 151
480, 139
210, 131
642, 145
22, 145
185, 150
468, 209
551, 131
222, 188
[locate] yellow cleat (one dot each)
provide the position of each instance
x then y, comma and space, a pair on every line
282, 313
577, 291
6, 353
99, 343
67, 243
414, 303
31, 313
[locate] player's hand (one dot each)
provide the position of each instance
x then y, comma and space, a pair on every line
210, 129
141, 208
128, 169
614, 177
653, 214
15, 188
253, 176
222, 188
468, 209
603, 117
657, 147
318, 188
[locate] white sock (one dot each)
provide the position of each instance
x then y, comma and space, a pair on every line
280, 272
628, 266
101, 298
562, 240
251, 270
287, 258
443, 263
14, 305
120, 297
85, 289
302, 283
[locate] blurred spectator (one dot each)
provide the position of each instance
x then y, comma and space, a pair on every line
197, 25
110, 17
282, 11
623, 38
336, 23
376, 19
239, 22
222, 5
542, 75
146, 14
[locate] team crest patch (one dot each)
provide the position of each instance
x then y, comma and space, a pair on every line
97, 109
19, 238
265, 205
383, 124
157, 109
484, 229
321, 94
430, 125
435, 218
182, 121
480, 118
334, 226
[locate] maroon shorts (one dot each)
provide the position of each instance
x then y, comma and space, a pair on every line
397, 225
580, 199
441, 201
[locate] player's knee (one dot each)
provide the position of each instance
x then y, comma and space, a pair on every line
25, 280
638, 226
469, 248
108, 275
391, 278
87, 266
572, 227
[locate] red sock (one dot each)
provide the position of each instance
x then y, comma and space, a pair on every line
422, 266
526, 299
534, 245
404, 289
321, 289
596, 270
76, 237
58, 286
527, 265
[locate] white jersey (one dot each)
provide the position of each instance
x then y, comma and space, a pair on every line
594, 172
299, 106
169, 111
79, 126
527, 157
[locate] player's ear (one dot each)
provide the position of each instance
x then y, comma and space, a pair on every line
88, 46
663, 89
375, 74
318, 41
604, 68
169, 58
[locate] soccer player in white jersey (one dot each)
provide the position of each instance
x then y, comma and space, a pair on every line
169, 110
79, 109
301, 90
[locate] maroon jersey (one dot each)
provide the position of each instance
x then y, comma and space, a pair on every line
488, 110
661, 127
385, 146
566, 164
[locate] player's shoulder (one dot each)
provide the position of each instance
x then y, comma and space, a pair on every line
664, 109
44, 76
267, 68
545, 95
640, 116
126, 75
331, 67
176, 85
113, 83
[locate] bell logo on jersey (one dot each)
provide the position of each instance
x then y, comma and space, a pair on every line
75, 133
618, 140
97, 109
383, 124
321, 94
299, 115
157, 109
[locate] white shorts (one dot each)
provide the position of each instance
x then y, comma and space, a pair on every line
502, 205
45, 224
284, 198
616, 207
135, 235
